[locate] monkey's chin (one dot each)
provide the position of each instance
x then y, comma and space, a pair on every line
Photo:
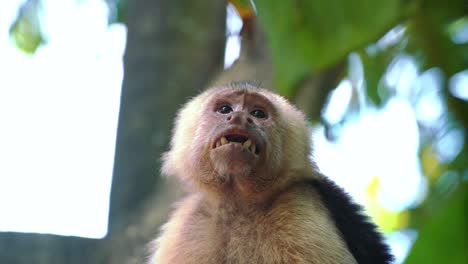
232, 160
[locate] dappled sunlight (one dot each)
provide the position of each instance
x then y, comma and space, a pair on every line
459, 84
233, 42
459, 31
382, 143
339, 102
380, 154
429, 106
401, 242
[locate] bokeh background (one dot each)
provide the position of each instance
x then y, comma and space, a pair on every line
89, 89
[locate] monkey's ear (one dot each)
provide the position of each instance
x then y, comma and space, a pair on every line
167, 169
294, 125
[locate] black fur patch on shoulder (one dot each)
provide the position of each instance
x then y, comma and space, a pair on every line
361, 236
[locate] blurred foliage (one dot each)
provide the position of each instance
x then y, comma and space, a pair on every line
26, 29
308, 36
387, 220
375, 62
446, 231
430, 164
121, 10
118, 10
318, 34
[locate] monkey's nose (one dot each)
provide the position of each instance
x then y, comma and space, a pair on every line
239, 118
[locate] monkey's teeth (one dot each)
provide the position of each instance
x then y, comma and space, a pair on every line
247, 144
218, 143
224, 141
253, 148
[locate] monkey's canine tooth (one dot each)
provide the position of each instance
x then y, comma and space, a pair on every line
247, 144
224, 141
218, 143
253, 148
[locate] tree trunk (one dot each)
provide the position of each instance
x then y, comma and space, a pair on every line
173, 50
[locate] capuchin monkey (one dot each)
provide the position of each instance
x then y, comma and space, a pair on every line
244, 153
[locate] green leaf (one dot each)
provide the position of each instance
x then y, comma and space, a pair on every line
307, 35
429, 30
122, 7
444, 239
375, 65
26, 31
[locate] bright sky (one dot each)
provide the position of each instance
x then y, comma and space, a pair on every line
59, 111
58, 121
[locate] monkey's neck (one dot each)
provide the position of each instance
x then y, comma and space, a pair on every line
252, 194
233, 201
232, 207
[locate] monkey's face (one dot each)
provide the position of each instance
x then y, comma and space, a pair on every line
243, 139
239, 131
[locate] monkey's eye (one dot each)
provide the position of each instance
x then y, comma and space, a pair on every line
258, 113
224, 109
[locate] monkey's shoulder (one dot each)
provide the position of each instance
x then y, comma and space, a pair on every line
359, 233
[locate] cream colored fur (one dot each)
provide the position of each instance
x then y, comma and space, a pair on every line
287, 224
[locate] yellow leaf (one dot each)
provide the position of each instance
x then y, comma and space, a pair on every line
244, 8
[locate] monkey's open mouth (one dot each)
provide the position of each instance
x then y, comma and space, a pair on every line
246, 142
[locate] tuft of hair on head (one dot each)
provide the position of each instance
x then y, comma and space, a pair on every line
245, 84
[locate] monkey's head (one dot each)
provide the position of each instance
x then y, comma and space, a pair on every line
240, 138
